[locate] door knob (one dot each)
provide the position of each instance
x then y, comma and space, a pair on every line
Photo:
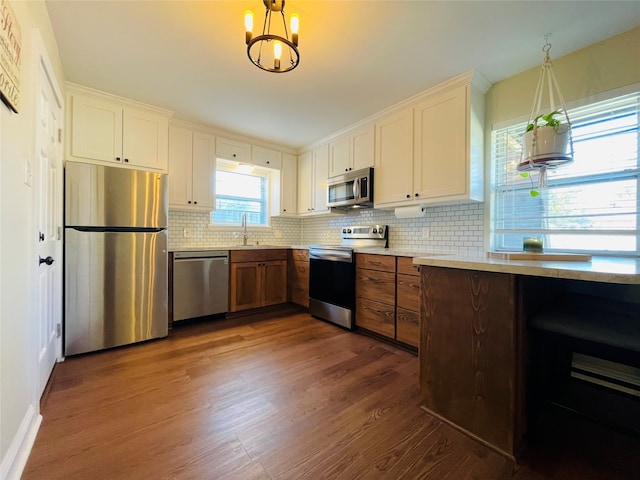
49, 260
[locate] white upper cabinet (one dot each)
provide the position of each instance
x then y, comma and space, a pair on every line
393, 173
111, 131
352, 151
265, 157
192, 170
233, 150
289, 185
313, 170
432, 152
448, 147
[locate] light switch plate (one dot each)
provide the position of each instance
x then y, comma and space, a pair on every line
425, 232
187, 233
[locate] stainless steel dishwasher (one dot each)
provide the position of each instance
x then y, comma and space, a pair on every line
200, 283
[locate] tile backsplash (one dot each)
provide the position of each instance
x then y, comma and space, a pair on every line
450, 228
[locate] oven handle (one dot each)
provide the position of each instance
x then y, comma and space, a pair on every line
345, 257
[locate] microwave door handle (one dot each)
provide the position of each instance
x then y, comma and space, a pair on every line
356, 189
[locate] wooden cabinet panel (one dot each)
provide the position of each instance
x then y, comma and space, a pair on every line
469, 352
299, 294
385, 263
258, 278
406, 266
377, 317
245, 286
373, 284
299, 272
408, 326
253, 255
274, 282
408, 291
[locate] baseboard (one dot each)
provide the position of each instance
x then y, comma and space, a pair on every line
15, 460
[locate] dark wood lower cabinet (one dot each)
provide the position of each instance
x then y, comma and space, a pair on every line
258, 283
471, 353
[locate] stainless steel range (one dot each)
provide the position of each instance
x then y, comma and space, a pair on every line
332, 285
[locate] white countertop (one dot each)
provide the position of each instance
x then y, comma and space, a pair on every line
624, 270
230, 247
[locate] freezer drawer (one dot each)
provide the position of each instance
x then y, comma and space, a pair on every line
200, 285
116, 289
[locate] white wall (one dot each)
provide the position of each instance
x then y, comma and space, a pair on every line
19, 403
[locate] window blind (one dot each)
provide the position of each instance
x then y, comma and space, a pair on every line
590, 205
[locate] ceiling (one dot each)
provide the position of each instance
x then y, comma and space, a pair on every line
357, 57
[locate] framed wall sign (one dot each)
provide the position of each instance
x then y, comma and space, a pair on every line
10, 57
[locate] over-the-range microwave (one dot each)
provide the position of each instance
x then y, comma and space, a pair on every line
351, 190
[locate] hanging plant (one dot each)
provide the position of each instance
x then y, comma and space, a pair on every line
547, 141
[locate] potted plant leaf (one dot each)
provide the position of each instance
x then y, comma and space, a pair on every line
546, 140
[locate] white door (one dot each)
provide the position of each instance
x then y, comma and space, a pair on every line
47, 183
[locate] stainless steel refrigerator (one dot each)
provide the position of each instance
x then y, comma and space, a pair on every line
115, 257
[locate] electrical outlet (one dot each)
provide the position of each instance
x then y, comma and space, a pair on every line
425, 232
278, 233
186, 232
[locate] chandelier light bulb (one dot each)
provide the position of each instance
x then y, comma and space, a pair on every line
277, 53
248, 25
295, 26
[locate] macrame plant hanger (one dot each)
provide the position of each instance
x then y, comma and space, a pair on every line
533, 157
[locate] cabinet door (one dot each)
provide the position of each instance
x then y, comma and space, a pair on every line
96, 129
145, 139
289, 185
274, 282
233, 150
180, 167
204, 171
244, 280
305, 182
362, 147
339, 156
320, 174
265, 157
408, 287
376, 285
394, 159
441, 162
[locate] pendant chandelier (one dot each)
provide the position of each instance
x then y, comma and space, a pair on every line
266, 50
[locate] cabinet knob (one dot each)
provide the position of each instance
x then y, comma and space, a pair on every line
284, 209
48, 261
234, 155
126, 160
408, 196
195, 202
268, 162
417, 194
118, 159
189, 202
346, 169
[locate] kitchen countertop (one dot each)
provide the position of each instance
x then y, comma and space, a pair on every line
624, 270
231, 247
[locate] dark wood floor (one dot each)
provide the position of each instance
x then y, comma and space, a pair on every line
279, 396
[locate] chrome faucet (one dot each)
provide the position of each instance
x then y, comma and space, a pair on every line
244, 229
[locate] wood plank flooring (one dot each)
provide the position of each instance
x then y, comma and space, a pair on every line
278, 395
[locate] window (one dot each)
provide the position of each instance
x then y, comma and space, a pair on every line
238, 191
590, 205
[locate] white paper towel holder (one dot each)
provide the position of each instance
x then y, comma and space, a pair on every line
413, 211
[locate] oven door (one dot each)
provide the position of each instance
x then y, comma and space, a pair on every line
332, 289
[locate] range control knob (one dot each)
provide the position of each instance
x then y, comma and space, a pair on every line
348, 230
375, 230
344, 230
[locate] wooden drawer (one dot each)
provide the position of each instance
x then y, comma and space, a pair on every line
375, 285
408, 327
256, 255
406, 266
299, 255
385, 263
299, 272
300, 295
376, 317
408, 292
